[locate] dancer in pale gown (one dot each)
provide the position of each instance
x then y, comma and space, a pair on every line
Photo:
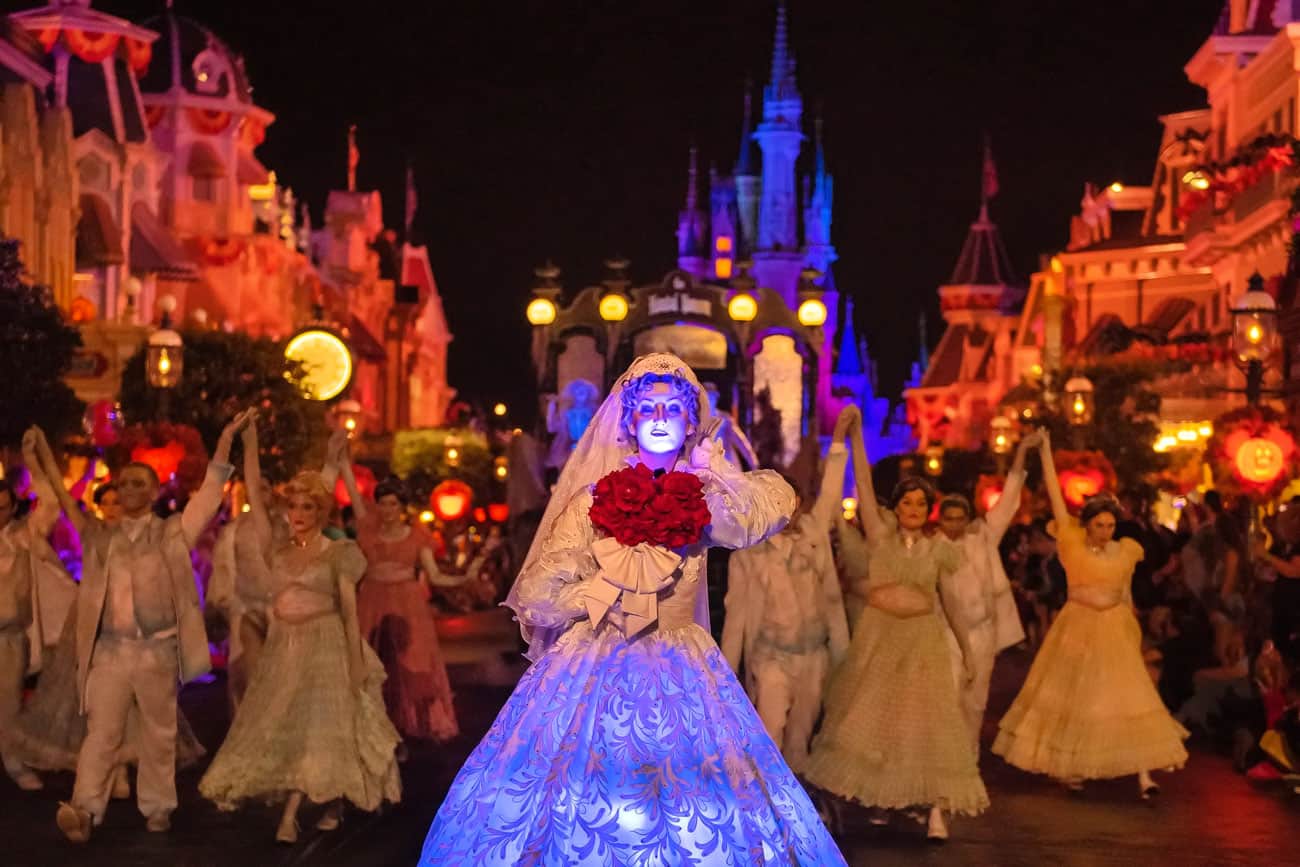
312, 722
1088, 709
893, 736
395, 615
629, 740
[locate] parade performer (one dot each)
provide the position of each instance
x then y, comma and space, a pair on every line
52, 727
23, 548
395, 615
242, 584
629, 740
1088, 709
785, 614
981, 586
893, 735
312, 723
139, 632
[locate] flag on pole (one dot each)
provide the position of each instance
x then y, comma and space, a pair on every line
354, 157
990, 184
412, 199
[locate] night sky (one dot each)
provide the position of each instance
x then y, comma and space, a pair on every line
560, 129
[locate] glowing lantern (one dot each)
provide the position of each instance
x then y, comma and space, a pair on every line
451, 500
426, 517
1001, 436
165, 351
480, 515
349, 416
1254, 324
1260, 461
499, 410
541, 311
1078, 485
613, 307
498, 512
742, 307
501, 469
934, 460
1079, 400
812, 313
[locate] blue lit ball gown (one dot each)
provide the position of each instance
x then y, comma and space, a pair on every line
641, 751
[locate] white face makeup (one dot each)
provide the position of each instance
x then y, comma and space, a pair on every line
660, 420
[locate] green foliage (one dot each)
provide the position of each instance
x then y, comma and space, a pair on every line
1124, 426
224, 373
420, 459
36, 348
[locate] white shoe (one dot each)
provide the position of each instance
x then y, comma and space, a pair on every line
27, 780
936, 829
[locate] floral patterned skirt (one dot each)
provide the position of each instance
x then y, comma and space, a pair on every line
644, 753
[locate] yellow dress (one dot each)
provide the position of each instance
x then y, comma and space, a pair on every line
1088, 709
894, 735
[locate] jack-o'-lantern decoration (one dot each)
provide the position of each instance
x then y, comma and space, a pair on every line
366, 482
174, 451
1252, 453
1083, 475
451, 500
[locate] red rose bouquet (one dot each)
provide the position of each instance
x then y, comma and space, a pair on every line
634, 507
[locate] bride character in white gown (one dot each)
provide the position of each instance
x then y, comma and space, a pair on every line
629, 741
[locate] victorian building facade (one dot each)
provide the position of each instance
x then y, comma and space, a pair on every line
131, 175
1149, 272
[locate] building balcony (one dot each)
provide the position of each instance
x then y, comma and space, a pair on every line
1270, 188
1201, 220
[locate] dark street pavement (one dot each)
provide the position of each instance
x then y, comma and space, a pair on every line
1207, 815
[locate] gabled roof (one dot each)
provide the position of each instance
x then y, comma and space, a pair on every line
983, 260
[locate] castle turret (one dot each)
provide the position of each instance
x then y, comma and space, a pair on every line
692, 227
777, 261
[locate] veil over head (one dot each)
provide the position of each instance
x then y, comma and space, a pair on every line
603, 448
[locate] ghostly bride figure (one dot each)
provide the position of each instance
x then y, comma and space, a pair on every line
625, 744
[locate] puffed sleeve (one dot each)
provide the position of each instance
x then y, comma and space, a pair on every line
1133, 550
349, 562
746, 507
548, 594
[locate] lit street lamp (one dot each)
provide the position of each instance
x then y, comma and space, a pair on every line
1254, 334
1002, 437
1079, 401
349, 416
164, 360
934, 460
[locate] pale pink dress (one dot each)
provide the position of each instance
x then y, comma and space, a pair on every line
397, 620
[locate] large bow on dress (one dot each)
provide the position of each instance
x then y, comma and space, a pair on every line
634, 577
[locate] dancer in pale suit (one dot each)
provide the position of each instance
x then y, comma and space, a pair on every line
785, 614
22, 542
982, 588
139, 632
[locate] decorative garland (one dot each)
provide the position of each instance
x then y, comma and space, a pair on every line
96, 47
1252, 163
1252, 453
209, 121
175, 451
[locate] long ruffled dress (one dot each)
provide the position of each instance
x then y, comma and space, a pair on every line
396, 619
893, 734
301, 727
51, 726
631, 752
1088, 709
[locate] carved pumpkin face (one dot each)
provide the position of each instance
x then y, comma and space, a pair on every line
1078, 485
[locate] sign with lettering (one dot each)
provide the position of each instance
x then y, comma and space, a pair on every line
680, 303
87, 364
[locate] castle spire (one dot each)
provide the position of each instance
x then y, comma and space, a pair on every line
782, 85
745, 160
692, 223
849, 362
